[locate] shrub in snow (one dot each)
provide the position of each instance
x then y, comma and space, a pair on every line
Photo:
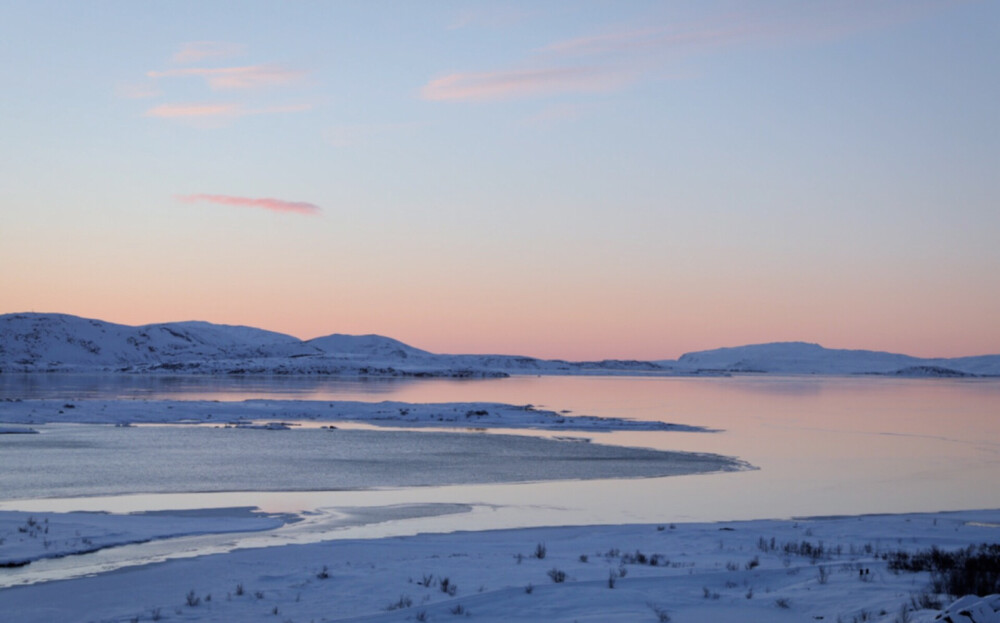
540, 551
974, 570
448, 587
661, 613
404, 601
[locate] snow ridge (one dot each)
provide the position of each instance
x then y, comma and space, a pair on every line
35, 342
807, 358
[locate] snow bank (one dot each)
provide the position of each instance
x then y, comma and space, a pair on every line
26, 537
760, 571
17, 430
972, 609
447, 415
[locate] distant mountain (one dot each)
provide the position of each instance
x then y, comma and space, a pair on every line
805, 358
32, 342
364, 345
43, 341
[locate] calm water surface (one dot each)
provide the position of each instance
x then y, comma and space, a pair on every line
823, 445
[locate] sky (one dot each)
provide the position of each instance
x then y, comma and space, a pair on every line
581, 180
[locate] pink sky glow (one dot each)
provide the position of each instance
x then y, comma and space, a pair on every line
578, 180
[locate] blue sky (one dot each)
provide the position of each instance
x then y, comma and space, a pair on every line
579, 179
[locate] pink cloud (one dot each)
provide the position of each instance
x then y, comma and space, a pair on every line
173, 111
803, 22
195, 51
225, 110
275, 205
248, 77
617, 59
607, 42
666, 40
522, 83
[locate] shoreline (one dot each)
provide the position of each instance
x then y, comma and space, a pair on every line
848, 502
389, 414
726, 571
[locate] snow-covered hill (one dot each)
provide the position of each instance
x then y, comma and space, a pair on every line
364, 346
32, 342
805, 358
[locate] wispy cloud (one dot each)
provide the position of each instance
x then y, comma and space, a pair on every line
274, 205
247, 77
173, 111
252, 82
794, 23
611, 60
516, 83
651, 40
213, 115
196, 51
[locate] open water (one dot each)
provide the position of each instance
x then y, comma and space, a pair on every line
823, 445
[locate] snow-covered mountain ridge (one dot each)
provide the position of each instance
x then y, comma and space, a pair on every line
38, 342
806, 358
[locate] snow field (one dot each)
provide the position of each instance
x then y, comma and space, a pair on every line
26, 537
773, 570
445, 415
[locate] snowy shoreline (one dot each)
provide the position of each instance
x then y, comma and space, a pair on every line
764, 570
829, 568
389, 413
28, 537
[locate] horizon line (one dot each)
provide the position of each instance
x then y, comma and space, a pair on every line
514, 354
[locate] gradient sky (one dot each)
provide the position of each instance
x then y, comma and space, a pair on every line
560, 179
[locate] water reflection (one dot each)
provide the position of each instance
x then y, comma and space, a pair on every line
190, 387
823, 445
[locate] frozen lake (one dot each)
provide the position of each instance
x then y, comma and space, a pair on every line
69, 460
823, 445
